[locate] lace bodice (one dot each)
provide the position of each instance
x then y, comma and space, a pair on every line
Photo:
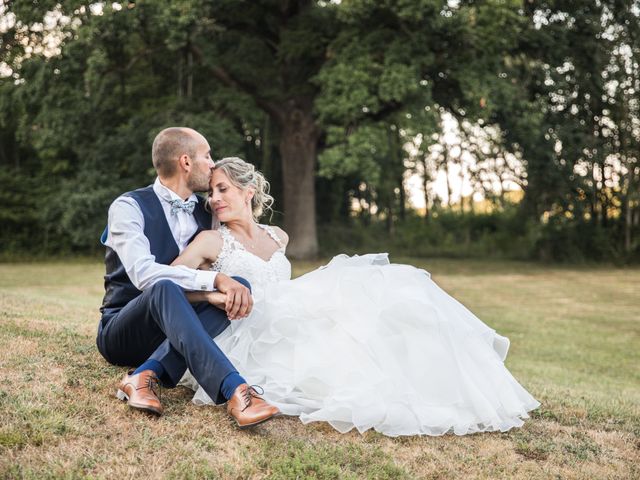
236, 260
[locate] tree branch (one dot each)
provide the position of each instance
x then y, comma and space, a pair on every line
387, 110
226, 78
229, 80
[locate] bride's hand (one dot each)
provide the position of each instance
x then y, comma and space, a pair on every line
217, 299
239, 301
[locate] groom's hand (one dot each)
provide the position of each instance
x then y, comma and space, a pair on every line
239, 301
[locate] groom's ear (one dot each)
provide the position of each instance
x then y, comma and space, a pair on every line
184, 162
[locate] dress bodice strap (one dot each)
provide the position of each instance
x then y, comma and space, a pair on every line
227, 238
228, 244
272, 234
229, 241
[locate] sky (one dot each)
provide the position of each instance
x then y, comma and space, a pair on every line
451, 138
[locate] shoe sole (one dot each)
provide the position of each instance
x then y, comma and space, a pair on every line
243, 427
125, 398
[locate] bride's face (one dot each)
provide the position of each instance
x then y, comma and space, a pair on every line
228, 201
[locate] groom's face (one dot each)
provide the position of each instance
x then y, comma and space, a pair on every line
202, 164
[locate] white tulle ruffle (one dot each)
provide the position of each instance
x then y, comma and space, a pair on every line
364, 344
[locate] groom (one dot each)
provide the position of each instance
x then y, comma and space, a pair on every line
147, 319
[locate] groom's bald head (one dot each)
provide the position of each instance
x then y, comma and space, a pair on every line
169, 145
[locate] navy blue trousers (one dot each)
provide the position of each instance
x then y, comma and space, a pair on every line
162, 325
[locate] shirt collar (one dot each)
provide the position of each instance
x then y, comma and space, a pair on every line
167, 194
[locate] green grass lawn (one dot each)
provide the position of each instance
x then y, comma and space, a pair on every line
574, 345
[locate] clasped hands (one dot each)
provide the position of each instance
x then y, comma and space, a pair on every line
231, 296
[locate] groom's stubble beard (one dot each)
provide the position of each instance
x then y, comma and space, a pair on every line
198, 181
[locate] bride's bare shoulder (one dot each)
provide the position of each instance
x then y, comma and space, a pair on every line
209, 238
282, 235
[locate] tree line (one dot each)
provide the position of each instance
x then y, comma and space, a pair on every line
337, 103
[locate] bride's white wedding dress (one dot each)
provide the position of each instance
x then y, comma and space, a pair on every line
367, 344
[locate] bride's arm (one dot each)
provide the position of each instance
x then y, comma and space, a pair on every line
217, 299
202, 252
231, 295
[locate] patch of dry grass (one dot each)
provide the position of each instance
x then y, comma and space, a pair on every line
575, 346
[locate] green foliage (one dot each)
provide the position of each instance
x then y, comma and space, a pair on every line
565, 239
359, 153
498, 235
83, 123
20, 215
559, 80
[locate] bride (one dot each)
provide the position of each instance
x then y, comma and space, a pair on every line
359, 343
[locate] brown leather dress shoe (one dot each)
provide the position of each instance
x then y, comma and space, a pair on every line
139, 391
248, 409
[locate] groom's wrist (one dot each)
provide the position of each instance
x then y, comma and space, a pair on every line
220, 278
205, 280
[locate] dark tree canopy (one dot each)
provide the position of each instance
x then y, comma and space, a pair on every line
326, 98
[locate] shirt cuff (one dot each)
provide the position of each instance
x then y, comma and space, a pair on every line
204, 280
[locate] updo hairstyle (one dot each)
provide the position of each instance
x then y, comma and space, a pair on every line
244, 175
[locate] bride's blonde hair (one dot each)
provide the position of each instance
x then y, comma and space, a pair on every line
244, 175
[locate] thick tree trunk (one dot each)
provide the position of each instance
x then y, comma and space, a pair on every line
298, 144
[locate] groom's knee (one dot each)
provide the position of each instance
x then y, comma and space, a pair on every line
242, 281
166, 287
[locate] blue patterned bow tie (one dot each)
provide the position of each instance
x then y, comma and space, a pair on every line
177, 205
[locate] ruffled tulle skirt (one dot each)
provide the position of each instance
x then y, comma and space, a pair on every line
361, 343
